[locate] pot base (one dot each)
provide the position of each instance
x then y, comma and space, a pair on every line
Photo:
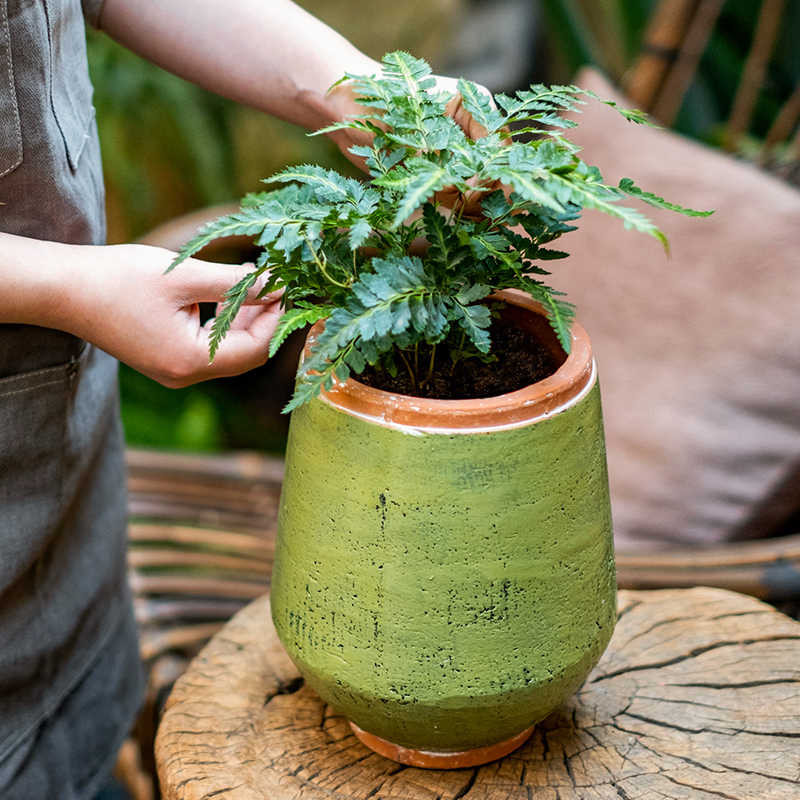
432, 759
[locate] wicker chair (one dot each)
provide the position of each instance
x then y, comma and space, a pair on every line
202, 541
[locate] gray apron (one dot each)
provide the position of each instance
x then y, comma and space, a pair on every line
70, 677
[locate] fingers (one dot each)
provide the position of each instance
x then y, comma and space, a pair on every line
248, 314
200, 281
246, 344
455, 109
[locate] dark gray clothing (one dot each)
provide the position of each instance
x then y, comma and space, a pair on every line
70, 677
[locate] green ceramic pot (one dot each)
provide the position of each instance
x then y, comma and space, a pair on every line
444, 574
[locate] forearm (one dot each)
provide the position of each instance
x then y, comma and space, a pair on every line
267, 54
33, 275
119, 298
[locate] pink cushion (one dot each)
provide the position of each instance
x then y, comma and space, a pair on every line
699, 354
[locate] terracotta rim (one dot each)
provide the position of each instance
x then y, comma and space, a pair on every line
538, 401
429, 759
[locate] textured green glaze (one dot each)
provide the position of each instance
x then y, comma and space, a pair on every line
445, 591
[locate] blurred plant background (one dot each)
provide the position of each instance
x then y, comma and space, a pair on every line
170, 148
717, 36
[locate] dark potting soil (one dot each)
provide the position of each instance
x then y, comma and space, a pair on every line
521, 360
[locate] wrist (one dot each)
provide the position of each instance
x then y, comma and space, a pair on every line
336, 101
31, 279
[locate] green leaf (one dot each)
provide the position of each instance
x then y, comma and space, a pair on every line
359, 233
246, 222
560, 314
355, 360
631, 114
471, 294
603, 198
409, 70
475, 321
419, 188
233, 300
626, 185
301, 314
480, 106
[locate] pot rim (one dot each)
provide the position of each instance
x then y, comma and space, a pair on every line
564, 388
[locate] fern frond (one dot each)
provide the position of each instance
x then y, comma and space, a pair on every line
418, 188
480, 106
410, 71
301, 314
249, 221
626, 185
233, 300
560, 313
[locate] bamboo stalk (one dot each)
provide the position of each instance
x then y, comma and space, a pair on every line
784, 123
753, 73
691, 51
165, 557
200, 538
662, 41
603, 20
768, 569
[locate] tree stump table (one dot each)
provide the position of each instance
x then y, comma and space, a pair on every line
698, 696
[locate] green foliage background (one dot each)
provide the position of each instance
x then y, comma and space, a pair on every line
608, 34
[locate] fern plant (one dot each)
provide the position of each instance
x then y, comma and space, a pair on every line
341, 248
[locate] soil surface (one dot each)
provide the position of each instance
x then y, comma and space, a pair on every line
521, 360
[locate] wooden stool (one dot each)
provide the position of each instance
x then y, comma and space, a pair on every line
698, 696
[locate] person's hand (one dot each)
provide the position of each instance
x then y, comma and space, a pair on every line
468, 205
120, 300
343, 97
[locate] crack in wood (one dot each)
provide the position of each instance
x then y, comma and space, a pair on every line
742, 685
568, 767
292, 686
464, 790
741, 771
621, 793
701, 788
672, 726
222, 791
697, 651
678, 702
655, 625
375, 791
589, 733
623, 612
760, 612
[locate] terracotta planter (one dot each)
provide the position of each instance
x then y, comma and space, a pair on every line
444, 572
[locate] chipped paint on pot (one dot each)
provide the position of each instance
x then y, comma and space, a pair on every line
444, 572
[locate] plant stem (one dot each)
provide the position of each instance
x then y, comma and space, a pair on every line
431, 365
458, 352
410, 371
321, 266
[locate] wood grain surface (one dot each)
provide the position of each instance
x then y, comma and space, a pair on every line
698, 696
